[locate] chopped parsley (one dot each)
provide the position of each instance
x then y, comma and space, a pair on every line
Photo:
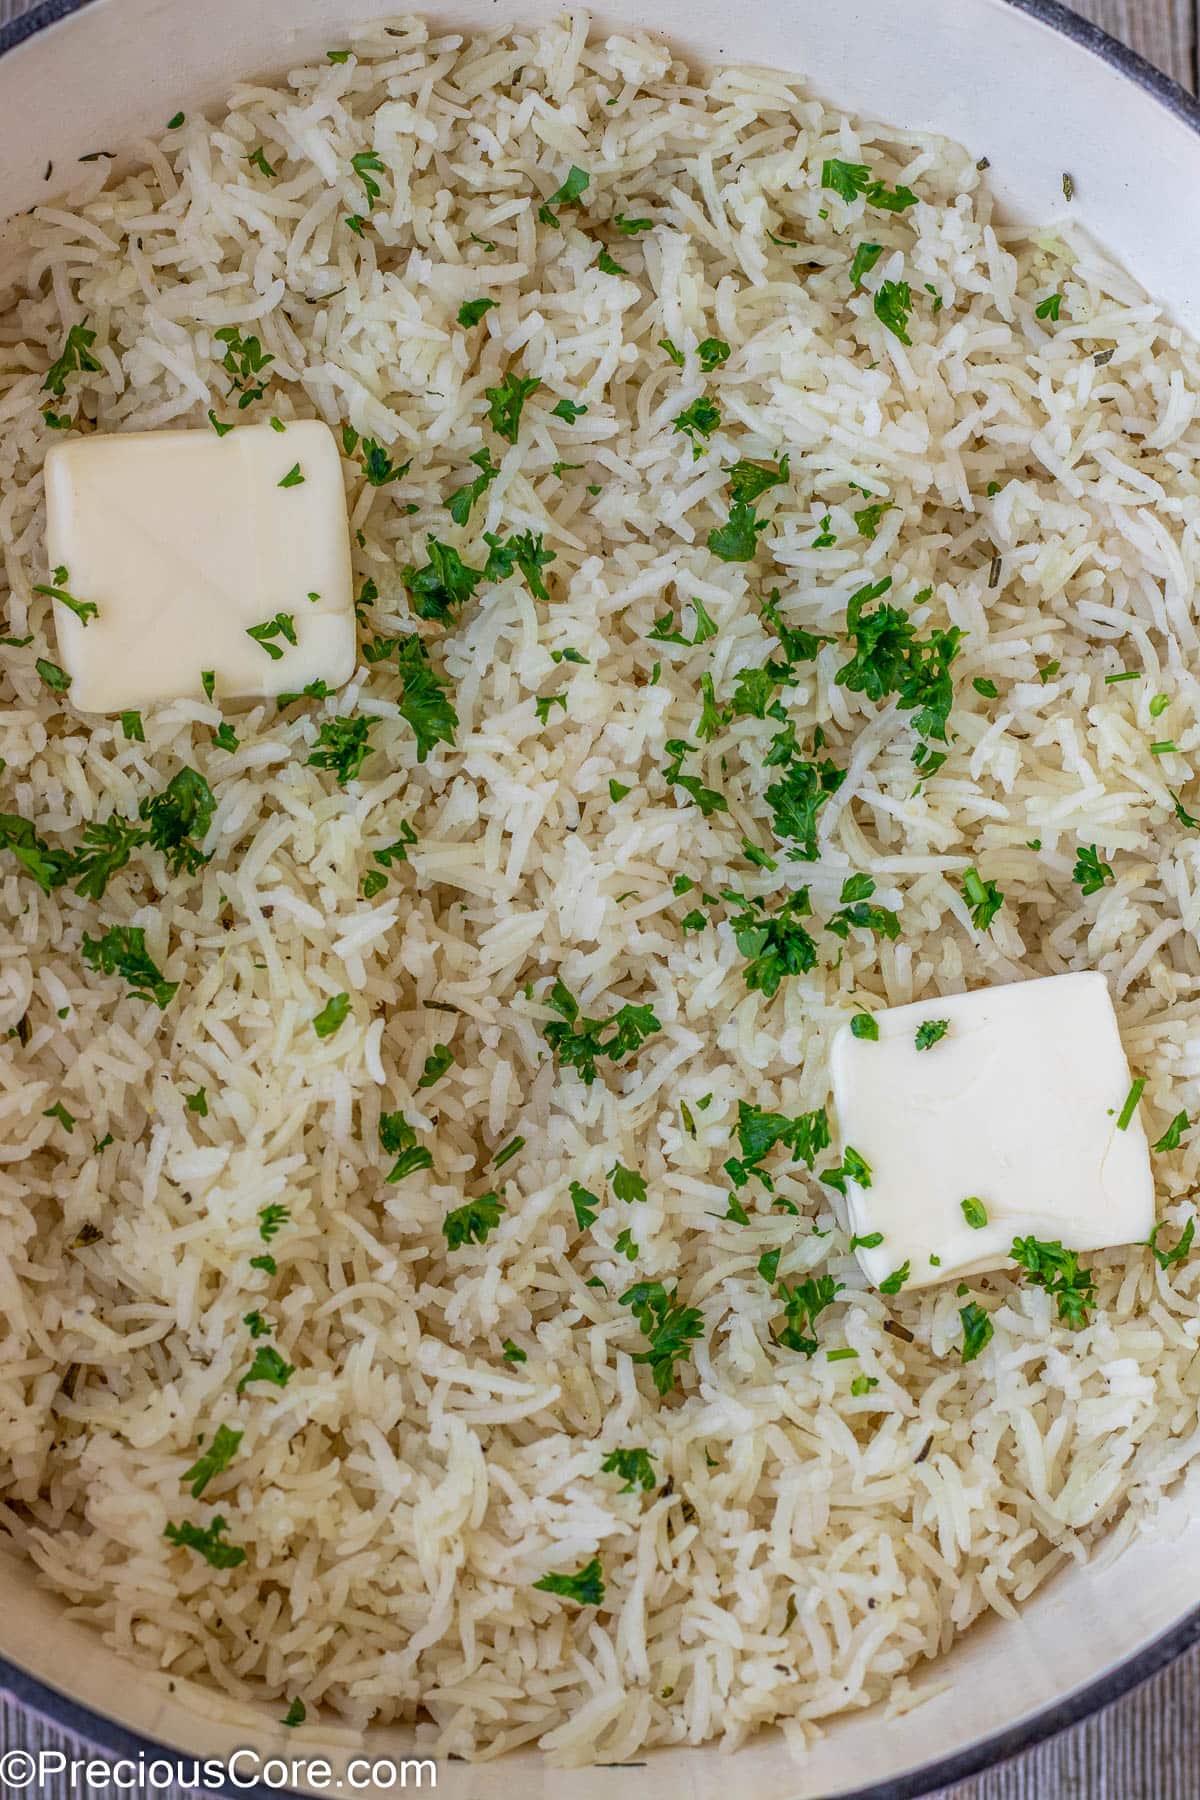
631, 227
1049, 1266
297, 1712
586, 1205
930, 1033
244, 362
471, 311
634, 1468
258, 159
443, 584
435, 1066
867, 519
198, 1102
747, 480
797, 797
523, 549
568, 410
424, 702
803, 1305
58, 1111
122, 951
283, 625
56, 679
862, 1025
607, 263
207, 1542
579, 1041
215, 1460
1167, 1258
627, 1184
864, 260
889, 658
699, 420
1049, 307
707, 799
977, 1330
464, 498
712, 352
342, 746
586, 1586
74, 358
378, 468
271, 1221
892, 306
84, 610
759, 1132
513, 1353
566, 194
1171, 1137
775, 944
178, 816
366, 165
670, 1328
472, 1222
856, 912
737, 539
334, 1013
1090, 873
974, 1212
268, 1365
506, 402
983, 899
852, 1167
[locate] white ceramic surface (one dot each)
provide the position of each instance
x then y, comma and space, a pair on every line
1037, 104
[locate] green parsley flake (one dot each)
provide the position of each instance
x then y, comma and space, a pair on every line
471, 311
1050, 1266
566, 194
977, 1330
1090, 873
268, 1365
633, 1467
1171, 1137
586, 1586
283, 625
122, 951
931, 1032
974, 1212
472, 1222
983, 899
207, 1542
334, 1013
215, 1460
1166, 1259
670, 1328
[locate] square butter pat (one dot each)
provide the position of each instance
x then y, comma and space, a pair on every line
184, 540
1016, 1106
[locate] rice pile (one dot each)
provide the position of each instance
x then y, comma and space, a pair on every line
805, 1548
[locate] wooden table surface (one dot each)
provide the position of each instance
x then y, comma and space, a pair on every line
1147, 1746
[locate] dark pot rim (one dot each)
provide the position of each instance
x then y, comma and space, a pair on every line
95, 1728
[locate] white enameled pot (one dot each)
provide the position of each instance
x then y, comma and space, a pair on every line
1039, 93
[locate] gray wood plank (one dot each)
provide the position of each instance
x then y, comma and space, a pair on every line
1147, 1747
1163, 31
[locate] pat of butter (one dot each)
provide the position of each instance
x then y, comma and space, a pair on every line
1016, 1107
184, 541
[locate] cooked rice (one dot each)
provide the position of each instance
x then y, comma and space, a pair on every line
398, 1500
